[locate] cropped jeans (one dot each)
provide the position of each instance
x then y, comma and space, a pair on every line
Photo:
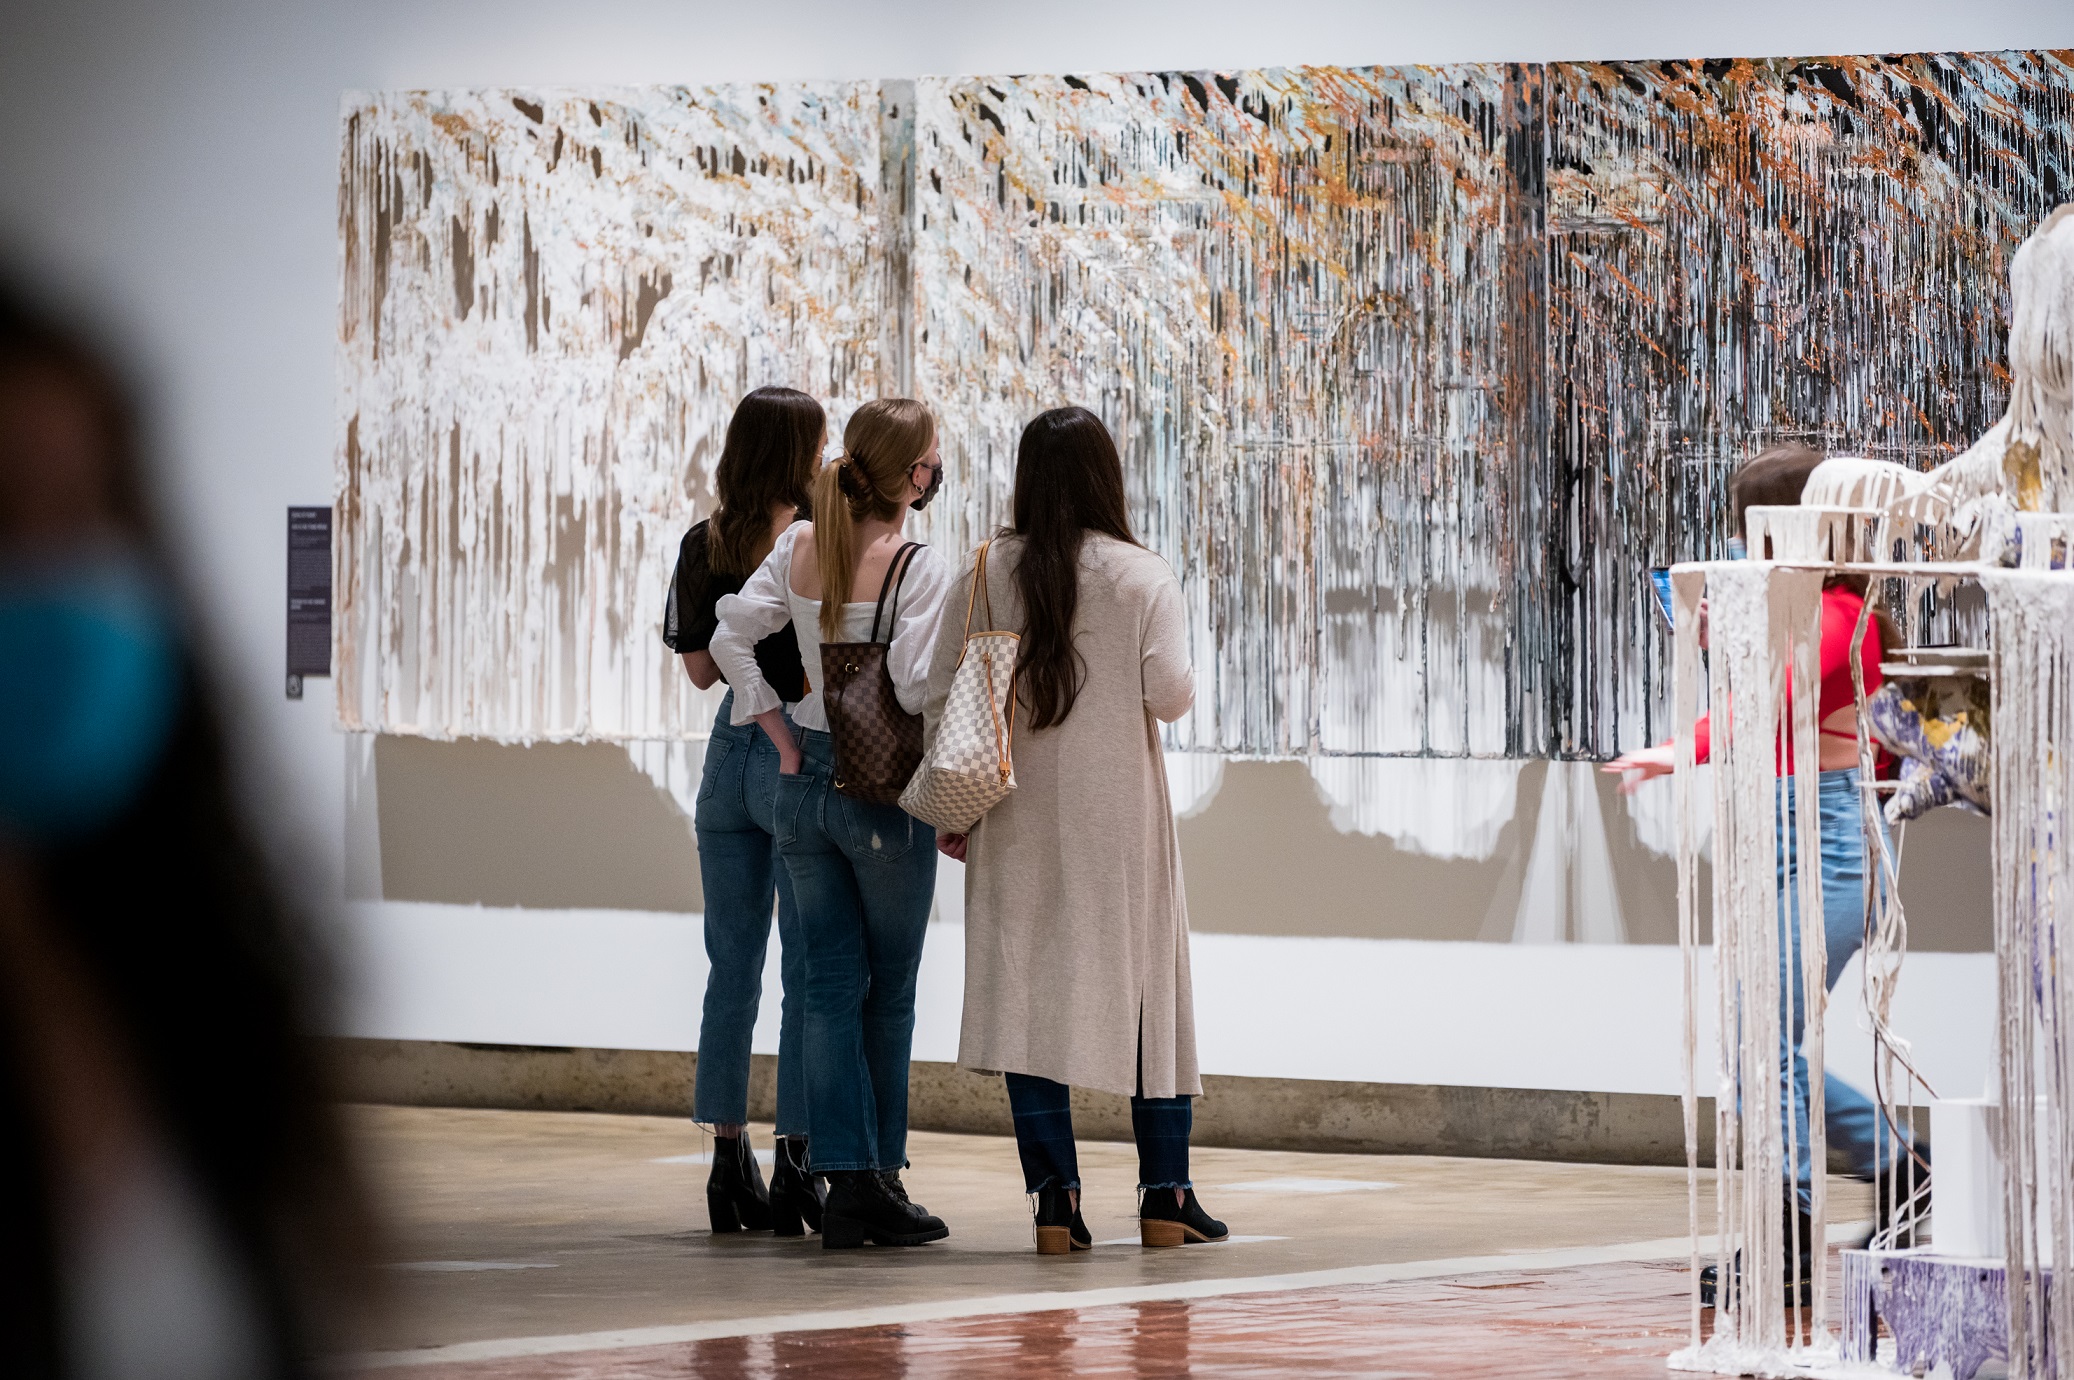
1849, 1115
864, 876
741, 872
1044, 1135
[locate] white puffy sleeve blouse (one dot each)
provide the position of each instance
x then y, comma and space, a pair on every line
767, 603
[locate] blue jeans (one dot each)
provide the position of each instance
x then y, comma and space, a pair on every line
741, 872
1849, 1115
1044, 1135
864, 876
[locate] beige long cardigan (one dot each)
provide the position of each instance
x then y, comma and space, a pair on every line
1076, 928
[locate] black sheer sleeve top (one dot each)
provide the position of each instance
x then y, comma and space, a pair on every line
689, 618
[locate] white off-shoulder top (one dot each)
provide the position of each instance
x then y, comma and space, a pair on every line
767, 603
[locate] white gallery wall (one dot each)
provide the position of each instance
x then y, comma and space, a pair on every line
171, 172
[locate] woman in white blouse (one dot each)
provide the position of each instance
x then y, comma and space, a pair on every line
863, 875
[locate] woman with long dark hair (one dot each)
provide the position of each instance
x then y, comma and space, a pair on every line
765, 473
182, 1202
863, 874
1076, 929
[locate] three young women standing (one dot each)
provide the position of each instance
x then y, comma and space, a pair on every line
863, 875
765, 473
1076, 928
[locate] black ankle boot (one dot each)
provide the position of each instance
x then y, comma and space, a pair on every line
1059, 1228
1797, 1221
736, 1199
863, 1206
1164, 1222
1710, 1282
797, 1194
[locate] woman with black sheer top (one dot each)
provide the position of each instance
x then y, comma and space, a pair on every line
766, 471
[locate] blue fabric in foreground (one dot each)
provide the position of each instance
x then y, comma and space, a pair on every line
89, 685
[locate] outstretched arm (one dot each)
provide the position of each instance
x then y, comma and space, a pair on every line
1643, 764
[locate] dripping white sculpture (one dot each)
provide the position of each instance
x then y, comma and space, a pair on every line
2007, 502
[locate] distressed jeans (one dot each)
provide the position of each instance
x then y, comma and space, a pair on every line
864, 877
1850, 1117
740, 871
1044, 1135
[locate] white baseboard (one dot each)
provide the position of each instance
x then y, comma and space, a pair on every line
1590, 1017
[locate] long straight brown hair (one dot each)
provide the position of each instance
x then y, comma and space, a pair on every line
882, 442
773, 444
1068, 483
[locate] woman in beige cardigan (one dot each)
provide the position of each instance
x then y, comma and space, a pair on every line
1076, 931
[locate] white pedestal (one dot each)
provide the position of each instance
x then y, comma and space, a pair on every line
1966, 1183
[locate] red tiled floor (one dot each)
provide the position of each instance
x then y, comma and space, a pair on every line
1608, 1321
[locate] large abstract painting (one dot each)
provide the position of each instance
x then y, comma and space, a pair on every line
1415, 370
550, 304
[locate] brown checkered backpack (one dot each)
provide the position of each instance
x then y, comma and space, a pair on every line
878, 744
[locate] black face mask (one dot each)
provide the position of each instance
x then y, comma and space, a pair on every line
929, 494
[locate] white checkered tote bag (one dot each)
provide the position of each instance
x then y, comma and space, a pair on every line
970, 767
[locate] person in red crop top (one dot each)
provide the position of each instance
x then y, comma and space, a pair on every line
1843, 597
1776, 478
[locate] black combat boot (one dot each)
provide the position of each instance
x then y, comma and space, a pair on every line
863, 1206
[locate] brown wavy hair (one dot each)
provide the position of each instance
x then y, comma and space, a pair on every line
773, 444
882, 442
1068, 483
1775, 478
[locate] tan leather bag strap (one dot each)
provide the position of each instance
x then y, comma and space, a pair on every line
980, 577
979, 583
979, 586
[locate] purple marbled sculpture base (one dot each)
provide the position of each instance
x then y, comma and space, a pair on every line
1948, 1310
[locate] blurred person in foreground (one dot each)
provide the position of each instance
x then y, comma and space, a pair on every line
182, 1203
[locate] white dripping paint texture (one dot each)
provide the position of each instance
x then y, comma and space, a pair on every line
1327, 309
2041, 361
1688, 590
550, 304
1299, 345
1759, 617
2032, 617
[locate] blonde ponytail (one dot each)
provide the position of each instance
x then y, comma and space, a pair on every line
881, 444
835, 546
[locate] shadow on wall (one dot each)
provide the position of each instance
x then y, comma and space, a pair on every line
1265, 857
553, 826
582, 826
1570, 865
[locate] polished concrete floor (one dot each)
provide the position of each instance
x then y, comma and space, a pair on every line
537, 1244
